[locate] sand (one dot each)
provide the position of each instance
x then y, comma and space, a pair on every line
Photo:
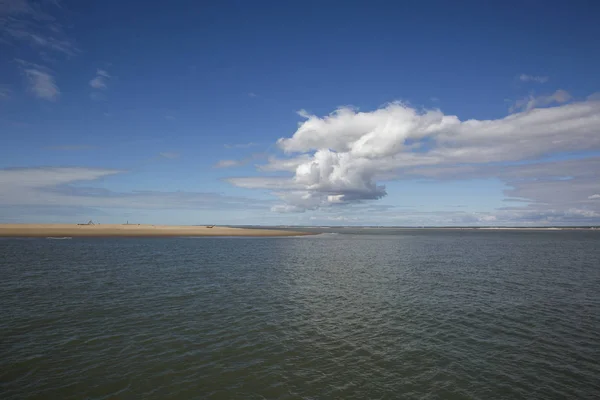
108, 230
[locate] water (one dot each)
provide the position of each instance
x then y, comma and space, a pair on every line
398, 314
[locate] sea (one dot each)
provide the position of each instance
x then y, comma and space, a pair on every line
346, 314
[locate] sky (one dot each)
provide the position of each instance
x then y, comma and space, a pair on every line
429, 113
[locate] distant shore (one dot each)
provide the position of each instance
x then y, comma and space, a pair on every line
438, 228
517, 228
114, 230
566, 228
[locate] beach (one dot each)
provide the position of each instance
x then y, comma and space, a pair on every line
122, 230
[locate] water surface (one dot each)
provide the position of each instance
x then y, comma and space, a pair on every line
385, 315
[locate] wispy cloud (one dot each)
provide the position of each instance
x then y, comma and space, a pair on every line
594, 197
4, 92
533, 78
73, 147
239, 163
169, 154
33, 23
240, 146
14, 7
361, 215
229, 163
55, 187
99, 81
531, 102
40, 81
99, 85
32, 28
46, 43
594, 97
97, 96
43, 177
264, 182
252, 94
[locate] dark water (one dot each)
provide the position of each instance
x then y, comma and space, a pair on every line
406, 315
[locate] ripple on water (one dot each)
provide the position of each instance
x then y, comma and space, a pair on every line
424, 316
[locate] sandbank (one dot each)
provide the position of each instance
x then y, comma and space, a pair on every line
114, 230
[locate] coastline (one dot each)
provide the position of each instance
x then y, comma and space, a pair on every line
115, 230
449, 228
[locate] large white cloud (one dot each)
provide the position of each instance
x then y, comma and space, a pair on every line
339, 158
376, 133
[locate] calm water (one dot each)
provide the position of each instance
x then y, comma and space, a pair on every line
400, 315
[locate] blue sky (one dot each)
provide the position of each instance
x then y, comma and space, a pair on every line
312, 113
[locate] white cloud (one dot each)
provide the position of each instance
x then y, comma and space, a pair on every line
19, 178
239, 163
240, 145
228, 163
55, 187
337, 218
594, 197
4, 92
97, 96
72, 147
41, 83
48, 42
368, 215
338, 174
594, 97
99, 84
552, 188
287, 208
99, 81
259, 182
31, 28
285, 164
169, 154
531, 102
66, 191
403, 136
533, 78
338, 159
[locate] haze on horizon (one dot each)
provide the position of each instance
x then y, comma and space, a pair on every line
277, 113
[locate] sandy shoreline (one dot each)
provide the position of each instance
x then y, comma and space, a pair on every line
110, 230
